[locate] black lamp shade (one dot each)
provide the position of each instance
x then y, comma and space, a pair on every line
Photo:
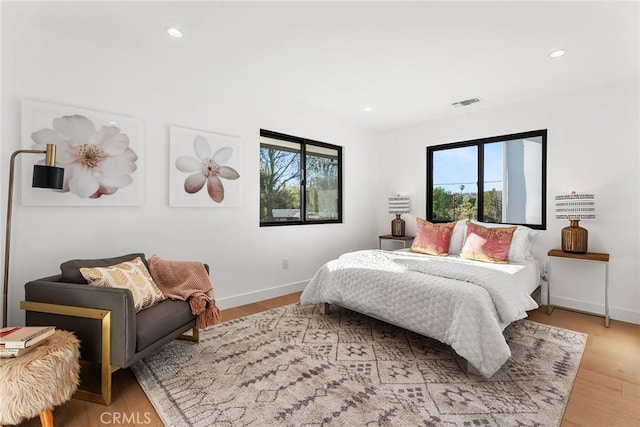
47, 177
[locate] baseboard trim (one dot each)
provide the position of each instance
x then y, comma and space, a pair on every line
624, 315
615, 313
261, 295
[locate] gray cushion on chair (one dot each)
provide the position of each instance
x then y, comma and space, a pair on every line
156, 322
71, 269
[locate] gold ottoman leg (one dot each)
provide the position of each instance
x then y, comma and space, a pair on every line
46, 418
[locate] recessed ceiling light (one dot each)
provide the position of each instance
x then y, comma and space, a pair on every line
557, 53
174, 32
367, 109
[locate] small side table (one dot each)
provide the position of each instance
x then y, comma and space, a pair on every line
590, 257
403, 239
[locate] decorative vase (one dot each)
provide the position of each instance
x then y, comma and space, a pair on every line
397, 227
574, 238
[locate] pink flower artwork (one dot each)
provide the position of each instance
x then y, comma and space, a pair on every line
97, 162
207, 168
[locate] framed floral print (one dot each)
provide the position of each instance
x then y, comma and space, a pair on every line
205, 169
102, 155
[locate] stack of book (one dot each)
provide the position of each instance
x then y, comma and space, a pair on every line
16, 341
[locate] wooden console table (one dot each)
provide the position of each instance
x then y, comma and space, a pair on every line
590, 257
403, 239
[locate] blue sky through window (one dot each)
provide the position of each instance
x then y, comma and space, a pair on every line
493, 165
459, 166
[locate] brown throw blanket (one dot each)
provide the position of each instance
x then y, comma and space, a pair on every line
187, 280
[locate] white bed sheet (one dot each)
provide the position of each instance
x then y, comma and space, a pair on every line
465, 304
527, 274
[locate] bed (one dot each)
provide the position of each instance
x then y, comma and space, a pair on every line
461, 302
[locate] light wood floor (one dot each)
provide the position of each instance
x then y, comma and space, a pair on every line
606, 391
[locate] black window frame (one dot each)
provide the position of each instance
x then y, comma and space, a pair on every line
304, 142
479, 143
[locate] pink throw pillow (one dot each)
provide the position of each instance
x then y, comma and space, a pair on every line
487, 244
432, 239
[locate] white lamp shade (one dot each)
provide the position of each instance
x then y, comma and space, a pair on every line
575, 206
399, 205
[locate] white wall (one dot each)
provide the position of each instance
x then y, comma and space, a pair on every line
245, 260
593, 145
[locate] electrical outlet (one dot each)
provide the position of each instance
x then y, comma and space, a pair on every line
285, 263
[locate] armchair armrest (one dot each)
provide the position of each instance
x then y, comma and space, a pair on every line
119, 301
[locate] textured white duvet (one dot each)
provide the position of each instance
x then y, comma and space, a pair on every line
465, 304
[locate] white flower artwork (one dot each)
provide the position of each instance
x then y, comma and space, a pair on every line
200, 160
100, 154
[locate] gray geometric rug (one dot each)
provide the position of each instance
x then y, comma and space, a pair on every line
293, 366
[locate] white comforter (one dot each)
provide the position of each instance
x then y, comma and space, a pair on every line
465, 304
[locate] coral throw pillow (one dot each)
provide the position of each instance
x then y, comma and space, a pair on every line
432, 239
487, 244
132, 275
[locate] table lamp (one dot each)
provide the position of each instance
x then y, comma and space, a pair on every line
575, 207
398, 206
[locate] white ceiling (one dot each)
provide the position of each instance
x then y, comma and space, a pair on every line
408, 61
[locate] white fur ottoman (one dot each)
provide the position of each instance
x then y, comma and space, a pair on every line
39, 380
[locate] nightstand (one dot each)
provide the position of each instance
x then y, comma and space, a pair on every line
588, 257
403, 239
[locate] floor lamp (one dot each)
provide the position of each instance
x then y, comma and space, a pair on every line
44, 176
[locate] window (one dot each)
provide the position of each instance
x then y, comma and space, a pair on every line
500, 179
300, 180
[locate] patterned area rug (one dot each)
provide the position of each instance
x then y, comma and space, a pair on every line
293, 366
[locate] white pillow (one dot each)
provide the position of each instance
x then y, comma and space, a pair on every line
457, 237
520, 248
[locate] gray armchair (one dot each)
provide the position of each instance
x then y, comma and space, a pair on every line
111, 333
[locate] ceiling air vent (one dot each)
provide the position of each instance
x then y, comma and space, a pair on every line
466, 102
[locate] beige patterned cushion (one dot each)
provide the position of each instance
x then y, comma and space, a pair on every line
132, 275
